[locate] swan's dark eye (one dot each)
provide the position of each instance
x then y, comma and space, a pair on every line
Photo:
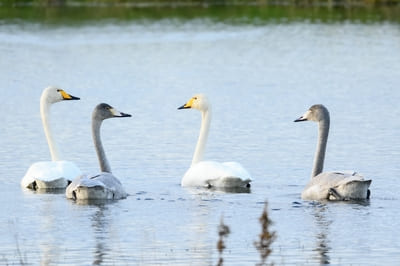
58, 90
195, 98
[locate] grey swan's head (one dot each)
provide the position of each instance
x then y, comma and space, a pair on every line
104, 111
316, 113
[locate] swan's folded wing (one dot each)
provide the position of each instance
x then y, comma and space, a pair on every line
111, 186
238, 170
209, 173
49, 171
349, 184
332, 179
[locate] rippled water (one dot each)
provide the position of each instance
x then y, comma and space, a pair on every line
259, 79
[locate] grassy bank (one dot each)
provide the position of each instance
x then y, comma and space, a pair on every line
228, 11
177, 3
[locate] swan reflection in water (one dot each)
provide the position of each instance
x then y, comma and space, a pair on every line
49, 246
322, 237
323, 222
100, 224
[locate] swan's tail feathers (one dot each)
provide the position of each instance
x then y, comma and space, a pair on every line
229, 182
39, 184
103, 186
92, 193
354, 190
57, 183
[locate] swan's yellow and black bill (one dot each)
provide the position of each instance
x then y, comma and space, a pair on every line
183, 107
187, 105
67, 96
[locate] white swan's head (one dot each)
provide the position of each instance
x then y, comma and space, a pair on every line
104, 111
316, 113
54, 94
199, 102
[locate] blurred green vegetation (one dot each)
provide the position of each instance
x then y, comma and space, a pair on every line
76, 12
204, 2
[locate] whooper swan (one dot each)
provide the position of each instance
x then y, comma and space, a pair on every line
103, 185
209, 173
347, 185
56, 173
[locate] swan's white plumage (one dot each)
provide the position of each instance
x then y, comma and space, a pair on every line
56, 173
346, 185
94, 187
214, 174
50, 174
209, 173
102, 186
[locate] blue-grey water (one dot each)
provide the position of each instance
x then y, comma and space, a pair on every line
259, 79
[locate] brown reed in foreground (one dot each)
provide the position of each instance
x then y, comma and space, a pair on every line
223, 232
263, 245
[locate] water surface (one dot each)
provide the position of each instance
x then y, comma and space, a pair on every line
259, 79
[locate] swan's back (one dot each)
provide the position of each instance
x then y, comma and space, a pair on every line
350, 185
101, 186
50, 174
214, 174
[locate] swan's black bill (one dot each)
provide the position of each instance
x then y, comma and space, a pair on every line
123, 115
184, 107
301, 119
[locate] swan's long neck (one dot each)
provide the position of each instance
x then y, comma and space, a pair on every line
101, 155
323, 131
45, 115
201, 142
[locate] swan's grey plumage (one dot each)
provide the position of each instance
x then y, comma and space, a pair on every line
56, 173
103, 185
209, 173
330, 185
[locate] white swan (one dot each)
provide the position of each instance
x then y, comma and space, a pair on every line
208, 173
103, 185
330, 185
55, 173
